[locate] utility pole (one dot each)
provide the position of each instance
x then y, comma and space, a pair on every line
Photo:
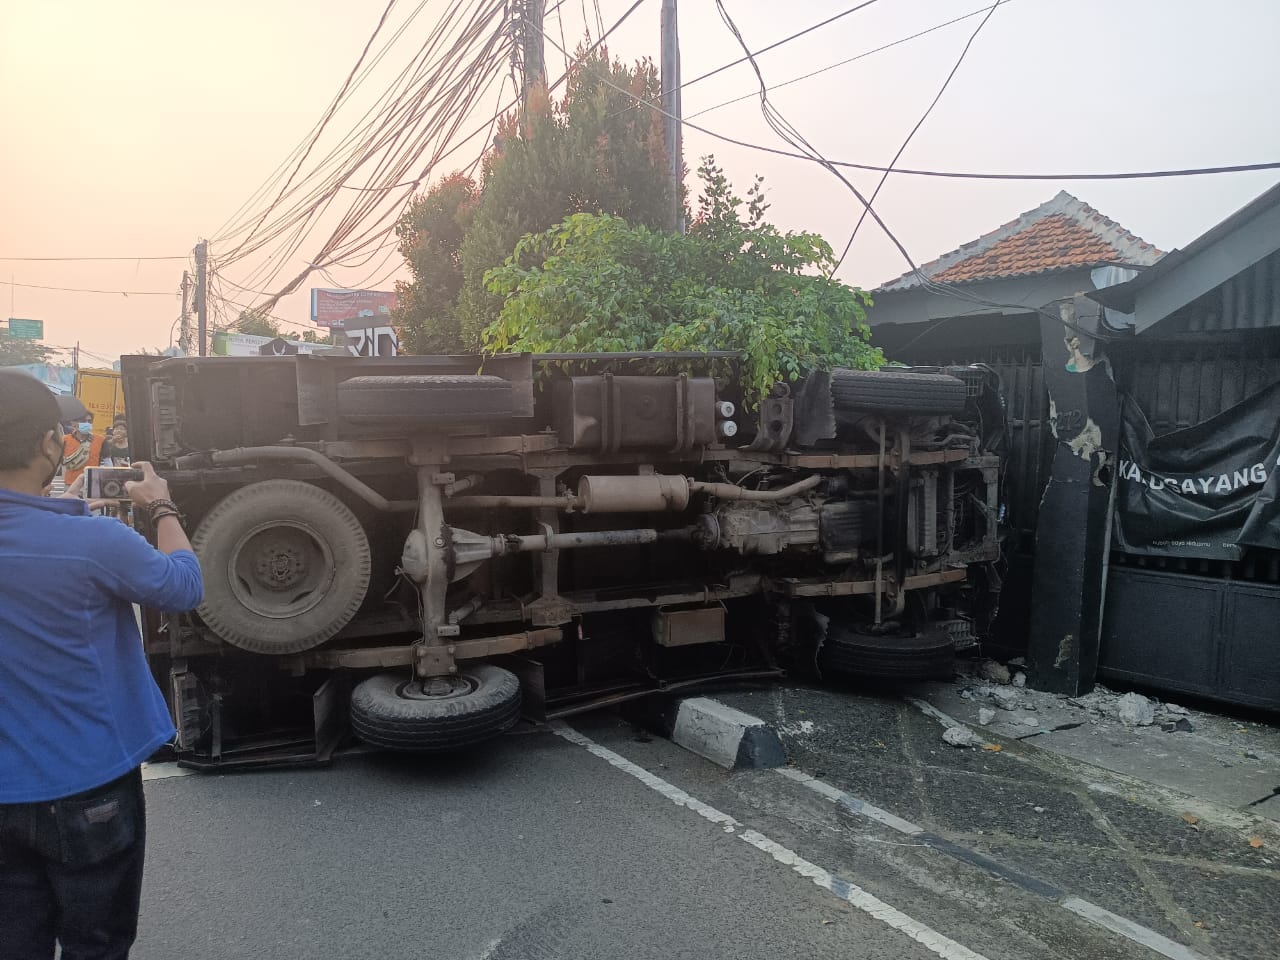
672, 129
532, 68
202, 296
184, 318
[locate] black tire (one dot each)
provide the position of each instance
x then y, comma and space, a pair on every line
928, 655
286, 566
896, 391
431, 397
384, 712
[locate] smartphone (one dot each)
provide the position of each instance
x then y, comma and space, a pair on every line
107, 483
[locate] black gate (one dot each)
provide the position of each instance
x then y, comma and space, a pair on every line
1204, 627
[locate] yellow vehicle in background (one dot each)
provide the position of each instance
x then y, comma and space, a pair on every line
102, 393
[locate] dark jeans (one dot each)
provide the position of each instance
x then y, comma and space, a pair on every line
71, 872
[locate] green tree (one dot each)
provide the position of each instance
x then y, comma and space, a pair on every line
431, 235
310, 336
735, 282
596, 150
15, 352
257, 323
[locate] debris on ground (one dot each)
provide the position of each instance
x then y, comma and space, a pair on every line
959, 736
1030, 721
985, 715
994, 671
1180, 725
1019, 679
1135, 710
1005, 698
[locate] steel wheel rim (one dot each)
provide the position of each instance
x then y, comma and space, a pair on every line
280, 569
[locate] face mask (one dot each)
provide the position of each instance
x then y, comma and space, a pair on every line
85, 427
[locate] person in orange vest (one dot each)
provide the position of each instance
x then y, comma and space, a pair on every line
80, 449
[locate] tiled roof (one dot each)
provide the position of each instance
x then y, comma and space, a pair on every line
1063, 234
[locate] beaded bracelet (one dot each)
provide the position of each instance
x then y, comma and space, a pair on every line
159, 509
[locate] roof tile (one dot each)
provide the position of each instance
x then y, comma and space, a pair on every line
1063, 234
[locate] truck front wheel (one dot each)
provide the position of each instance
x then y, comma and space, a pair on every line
856, 651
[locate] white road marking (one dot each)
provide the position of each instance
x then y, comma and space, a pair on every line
929, 710
850, 802
1130, 930
849, 892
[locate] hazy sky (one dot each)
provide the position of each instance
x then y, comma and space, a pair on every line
133, 128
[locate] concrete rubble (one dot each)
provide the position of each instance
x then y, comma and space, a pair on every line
1135, 710
961, 737
984, 685
994, 671
1003, 697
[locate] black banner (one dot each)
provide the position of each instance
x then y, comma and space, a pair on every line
1207, 491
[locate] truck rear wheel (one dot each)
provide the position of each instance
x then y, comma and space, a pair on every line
286, 566
397, 712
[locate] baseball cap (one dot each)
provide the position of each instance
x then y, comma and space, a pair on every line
70, 408
26, 404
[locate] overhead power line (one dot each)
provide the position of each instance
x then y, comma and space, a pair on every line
122, 293
919, 172
440, 97
914, 130
791, 135
70, 259
787, 132
774, 46
840, 63
971, 175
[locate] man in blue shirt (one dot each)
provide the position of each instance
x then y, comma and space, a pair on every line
79, 710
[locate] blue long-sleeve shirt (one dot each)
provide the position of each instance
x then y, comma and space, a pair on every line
78, 705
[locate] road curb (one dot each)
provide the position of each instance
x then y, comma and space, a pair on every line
723, 734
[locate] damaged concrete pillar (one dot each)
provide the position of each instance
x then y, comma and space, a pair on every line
1068, 586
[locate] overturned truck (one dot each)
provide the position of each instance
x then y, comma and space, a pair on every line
424, 552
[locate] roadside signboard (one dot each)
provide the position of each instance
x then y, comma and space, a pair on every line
21, 329
333, 308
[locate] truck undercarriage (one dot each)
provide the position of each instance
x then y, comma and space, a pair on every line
437, 550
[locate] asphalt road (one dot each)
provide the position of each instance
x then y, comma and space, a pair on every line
621, 845
532, 849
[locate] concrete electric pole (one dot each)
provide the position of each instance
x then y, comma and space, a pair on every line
202, 297
532, 66
672, 130
184, 317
